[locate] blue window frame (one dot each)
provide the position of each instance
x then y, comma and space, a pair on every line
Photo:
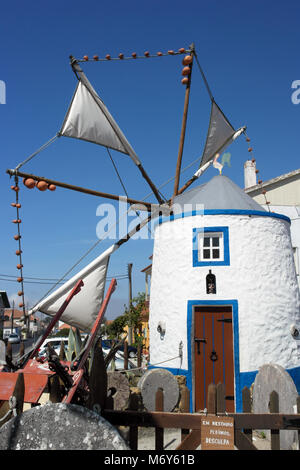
211, 246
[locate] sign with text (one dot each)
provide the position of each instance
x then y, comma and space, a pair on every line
217, 433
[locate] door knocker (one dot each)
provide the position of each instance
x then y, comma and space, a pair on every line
213, 356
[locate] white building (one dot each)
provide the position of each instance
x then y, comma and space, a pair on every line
224, 293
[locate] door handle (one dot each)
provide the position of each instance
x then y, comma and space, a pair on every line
198, 341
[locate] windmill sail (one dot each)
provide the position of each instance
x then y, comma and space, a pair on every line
219, 136
84, 307
89, 119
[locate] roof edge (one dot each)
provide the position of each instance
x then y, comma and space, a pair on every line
221, 212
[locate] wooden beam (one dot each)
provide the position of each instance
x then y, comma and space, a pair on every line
183, 128
193, 421
78, 188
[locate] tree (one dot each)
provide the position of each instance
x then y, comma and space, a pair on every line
130, 318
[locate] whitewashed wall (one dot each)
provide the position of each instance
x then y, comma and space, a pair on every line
261, 277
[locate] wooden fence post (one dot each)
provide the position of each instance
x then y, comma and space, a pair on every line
274, 408
220, 400
212, 399
246, 397
133, 430
298, 411
159, 432
185, 407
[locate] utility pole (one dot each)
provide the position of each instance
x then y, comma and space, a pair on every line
12, 317
130, 329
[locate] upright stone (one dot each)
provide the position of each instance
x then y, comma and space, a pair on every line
273, 377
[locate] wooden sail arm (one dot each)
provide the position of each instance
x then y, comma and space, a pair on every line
183, 128
79, 188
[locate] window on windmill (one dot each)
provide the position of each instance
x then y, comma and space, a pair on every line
211, 246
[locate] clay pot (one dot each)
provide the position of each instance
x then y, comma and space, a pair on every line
13, 204
21, 304
42, 185
20, 279
186, 71
181, 50
134, 55
107, 57
147, 53
20, 293
121, 56
85, 57
29, 183
96, 57
52, 187
17, 237
160, 54
185, 81
188, 59
18, 252
171, 52
19, 266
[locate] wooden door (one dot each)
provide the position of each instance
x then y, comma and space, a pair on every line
213, 353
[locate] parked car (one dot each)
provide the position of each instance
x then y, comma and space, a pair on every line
55, 343
118, 360
132, 351
14, 338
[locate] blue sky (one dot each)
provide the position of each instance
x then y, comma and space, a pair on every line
250, 54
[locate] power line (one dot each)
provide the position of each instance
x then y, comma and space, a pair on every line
36, 280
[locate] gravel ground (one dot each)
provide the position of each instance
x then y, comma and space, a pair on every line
172, 438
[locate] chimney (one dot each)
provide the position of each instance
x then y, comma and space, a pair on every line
250, 174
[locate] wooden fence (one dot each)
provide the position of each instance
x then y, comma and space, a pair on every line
190, 423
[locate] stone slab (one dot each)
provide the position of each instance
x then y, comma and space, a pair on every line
58, 426
154, 379
118, 386
274, 377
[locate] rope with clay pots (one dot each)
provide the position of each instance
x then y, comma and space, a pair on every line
263, 191
18, 237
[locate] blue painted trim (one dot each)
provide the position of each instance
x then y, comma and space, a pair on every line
162, 219
247, 378
225, 261
235, 319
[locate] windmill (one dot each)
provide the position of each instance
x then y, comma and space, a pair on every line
89, 119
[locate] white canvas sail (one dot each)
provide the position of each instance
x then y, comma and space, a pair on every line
84, 307
89, 119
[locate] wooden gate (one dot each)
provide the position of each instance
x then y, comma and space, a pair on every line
213, 353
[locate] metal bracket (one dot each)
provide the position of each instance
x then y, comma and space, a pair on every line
198, 341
